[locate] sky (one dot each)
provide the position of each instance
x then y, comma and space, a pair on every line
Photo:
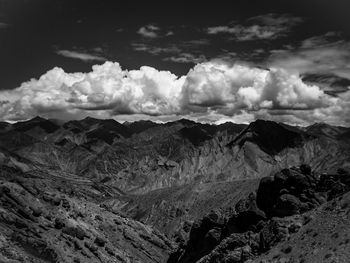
214, 62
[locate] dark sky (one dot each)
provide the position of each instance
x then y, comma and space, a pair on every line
36, 29
212, 62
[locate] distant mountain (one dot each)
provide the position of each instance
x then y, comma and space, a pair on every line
323, 129
271, 137
140, 126
105, 130
37, 122
4, 125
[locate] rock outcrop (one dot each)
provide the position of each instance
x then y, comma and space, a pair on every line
260, 222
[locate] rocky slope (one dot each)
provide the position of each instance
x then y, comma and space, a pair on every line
266, 227
323, 237
172, 210
46, 218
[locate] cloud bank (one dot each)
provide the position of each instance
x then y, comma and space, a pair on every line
211, 91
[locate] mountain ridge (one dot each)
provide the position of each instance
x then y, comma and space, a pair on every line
161, 178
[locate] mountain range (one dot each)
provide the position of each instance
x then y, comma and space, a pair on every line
96, 190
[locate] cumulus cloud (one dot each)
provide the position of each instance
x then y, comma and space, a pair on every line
212, 91
80, 55
232, 88
269, 26
106, 88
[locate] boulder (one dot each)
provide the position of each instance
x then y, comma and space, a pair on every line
287, 205
100, 241
59, 223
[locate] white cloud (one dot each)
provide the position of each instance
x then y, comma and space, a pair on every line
242, 33
106, 88
273, 19
320, 54
211, 91
241, 87
154, 50
269, 26
80, 55
196, 42
186, 58
149, 31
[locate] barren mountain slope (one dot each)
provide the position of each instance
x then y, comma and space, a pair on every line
324, 238
286, 208
53, 218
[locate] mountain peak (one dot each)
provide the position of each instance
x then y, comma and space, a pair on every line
271, 137
37, 119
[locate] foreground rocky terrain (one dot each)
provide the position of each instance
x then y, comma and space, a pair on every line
295, 216
101, 191
50, 219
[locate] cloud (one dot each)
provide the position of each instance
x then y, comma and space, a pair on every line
273, 19
318, 54
183, 52
197, 42
242, 33
212, 91
269, 26
80, 55
98, 49
186, 58
232, 88
107, 90
4, 25
154, 50
149, 31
